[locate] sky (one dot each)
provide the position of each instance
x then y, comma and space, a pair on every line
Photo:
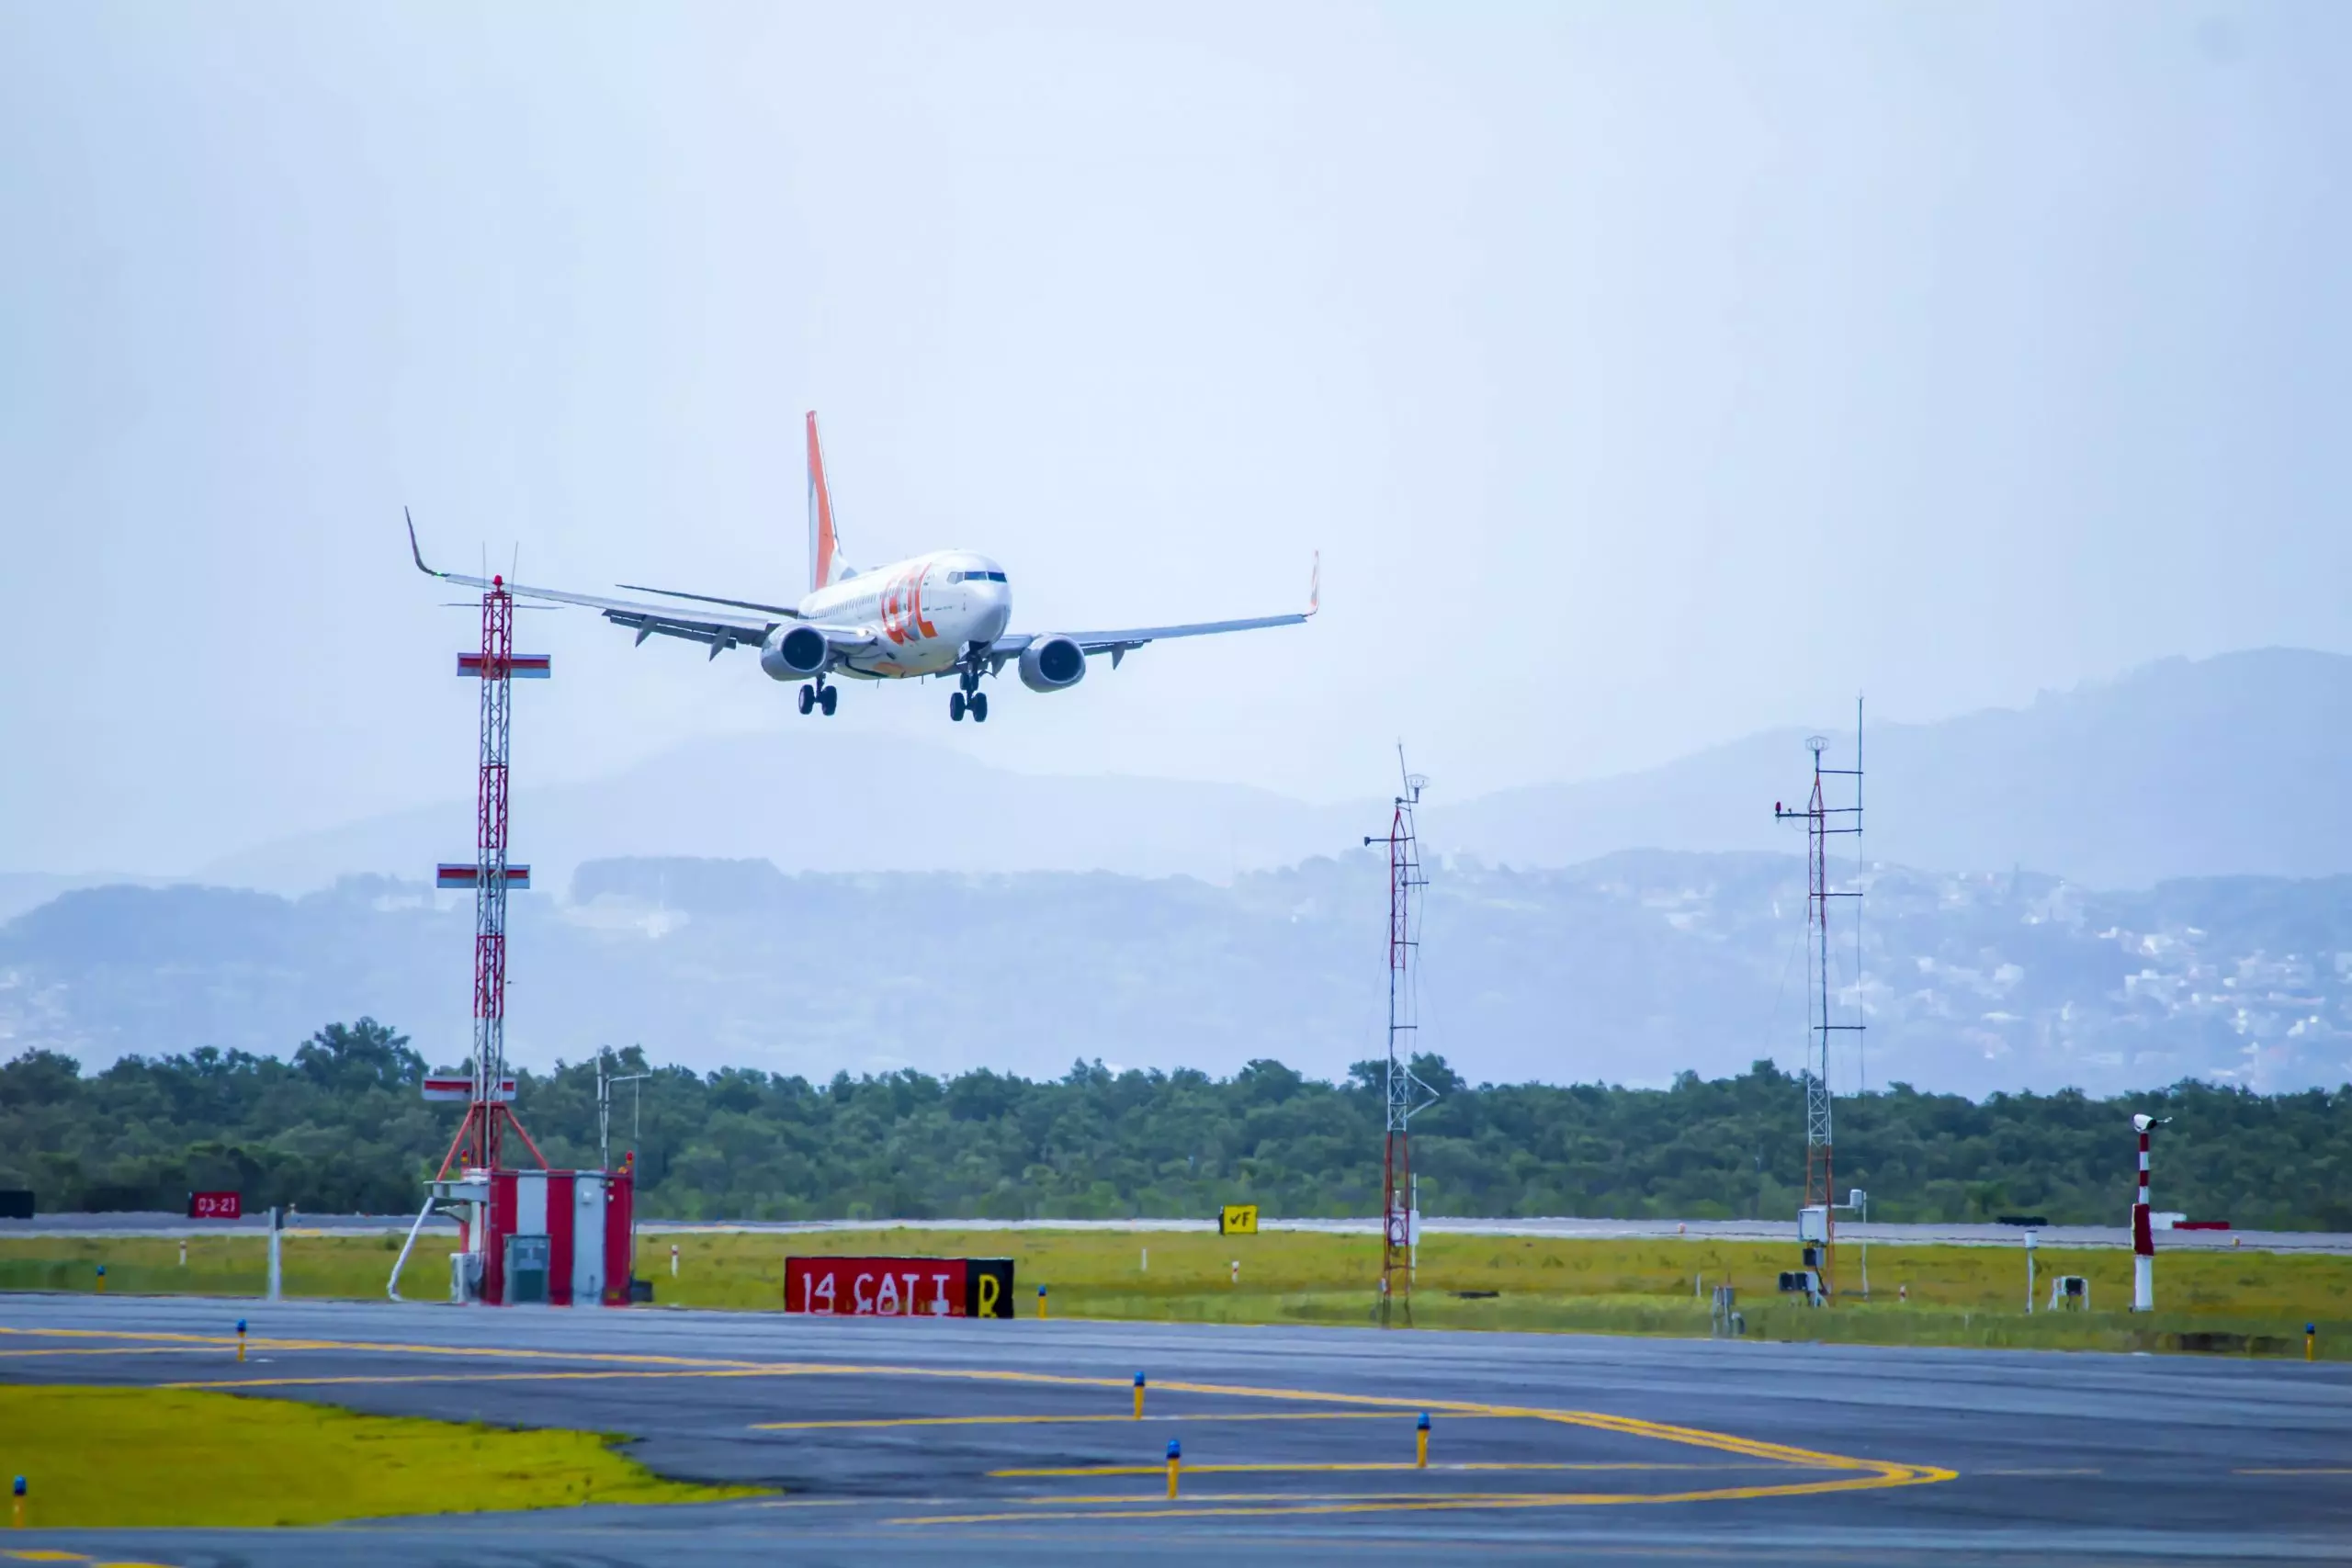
1646, 374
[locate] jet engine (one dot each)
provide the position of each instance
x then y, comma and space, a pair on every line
795, 653
1051, 663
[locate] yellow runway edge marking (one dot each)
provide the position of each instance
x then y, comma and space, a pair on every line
1859, 1474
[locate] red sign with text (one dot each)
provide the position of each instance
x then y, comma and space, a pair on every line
216, 1205
899, 1286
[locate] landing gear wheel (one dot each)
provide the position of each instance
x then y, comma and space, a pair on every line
956, 707
980, 707
807, 698
831, 700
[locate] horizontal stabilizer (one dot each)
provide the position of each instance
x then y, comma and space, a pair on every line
470, 876
521, 666
462, 1087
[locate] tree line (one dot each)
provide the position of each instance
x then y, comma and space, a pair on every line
339, 1126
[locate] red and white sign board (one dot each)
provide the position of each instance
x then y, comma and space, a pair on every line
899, 1286
465, 874
521, 666
216, 1205
455, 1086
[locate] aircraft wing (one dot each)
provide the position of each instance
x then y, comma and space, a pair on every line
719, 629
1118, 644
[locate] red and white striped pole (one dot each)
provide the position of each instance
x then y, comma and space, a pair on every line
2144, 1234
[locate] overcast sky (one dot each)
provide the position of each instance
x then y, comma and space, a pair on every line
1646, 373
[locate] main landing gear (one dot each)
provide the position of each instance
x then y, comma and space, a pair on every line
815, 696
976, 705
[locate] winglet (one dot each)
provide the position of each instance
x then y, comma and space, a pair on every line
822, 544
1315, 585
417, 554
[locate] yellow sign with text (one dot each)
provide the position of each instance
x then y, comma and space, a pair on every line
1238, 1219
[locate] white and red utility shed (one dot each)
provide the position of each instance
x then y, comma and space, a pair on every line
585, 1217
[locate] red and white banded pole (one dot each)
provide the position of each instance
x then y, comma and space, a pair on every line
2144, 1234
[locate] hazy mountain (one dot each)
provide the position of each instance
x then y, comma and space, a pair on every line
2216, 767
1629, 968
22, 890
2235, 764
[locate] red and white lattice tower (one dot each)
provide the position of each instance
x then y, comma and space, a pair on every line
1403, 1094
1816, 1215
490, 1107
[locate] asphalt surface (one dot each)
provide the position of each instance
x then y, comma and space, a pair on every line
1937, 1235
1611, 1449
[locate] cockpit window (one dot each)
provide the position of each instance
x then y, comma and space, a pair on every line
976, 577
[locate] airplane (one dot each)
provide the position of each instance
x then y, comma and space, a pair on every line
942, 615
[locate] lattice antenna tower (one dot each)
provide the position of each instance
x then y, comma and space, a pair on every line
1817, 1215
479, 1138
1403, 1094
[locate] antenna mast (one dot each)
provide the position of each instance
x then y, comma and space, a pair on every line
1816, 1216
490, 1109
1402, 1092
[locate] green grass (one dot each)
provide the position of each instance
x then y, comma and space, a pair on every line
115, 1457
1959, 1295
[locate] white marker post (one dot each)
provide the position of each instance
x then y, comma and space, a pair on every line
276, 1275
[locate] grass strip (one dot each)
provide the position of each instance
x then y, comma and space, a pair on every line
1957, 1295
106, 1457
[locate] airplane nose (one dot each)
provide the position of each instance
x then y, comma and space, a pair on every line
995, 607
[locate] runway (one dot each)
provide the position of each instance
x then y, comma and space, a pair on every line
996, 1441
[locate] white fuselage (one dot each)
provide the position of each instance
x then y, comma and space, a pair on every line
923, 611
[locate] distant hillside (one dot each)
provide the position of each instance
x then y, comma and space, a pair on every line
2232, 766
1630, 968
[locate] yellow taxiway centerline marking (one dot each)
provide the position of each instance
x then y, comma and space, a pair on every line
1284, 1469
404, 1378
1910, 1476
110, 1350
1128, 1420
1155, 1497
2038, 1470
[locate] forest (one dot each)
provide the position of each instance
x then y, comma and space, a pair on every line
339, 1126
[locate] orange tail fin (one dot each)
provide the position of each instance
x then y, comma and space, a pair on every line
824, 546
